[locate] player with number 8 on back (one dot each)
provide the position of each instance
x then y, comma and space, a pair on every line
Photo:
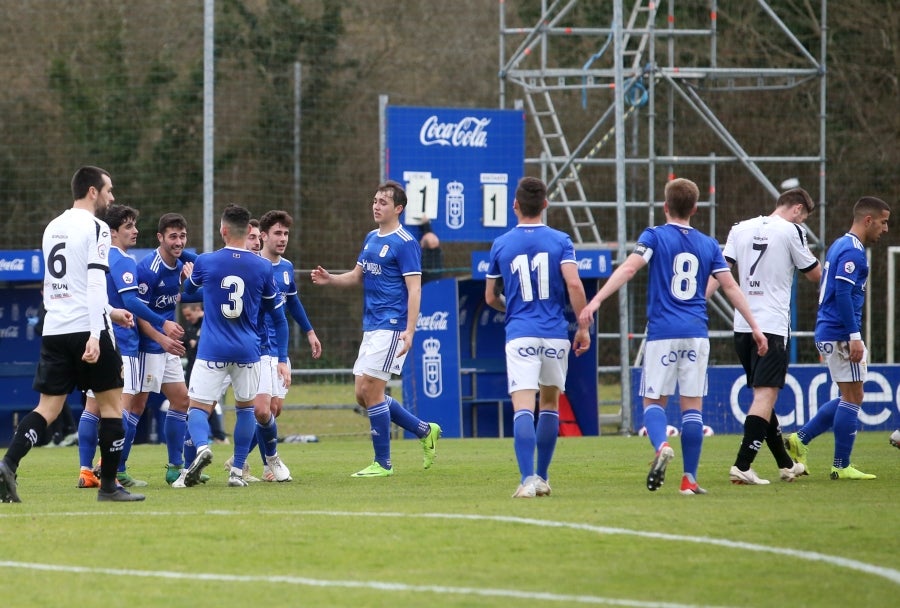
681, 260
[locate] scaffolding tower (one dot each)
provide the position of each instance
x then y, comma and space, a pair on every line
631, 69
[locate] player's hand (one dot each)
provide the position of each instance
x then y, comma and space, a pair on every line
320, 276
284, 372
91, 351
586, 318
173, 329
762, 343
122, 317
405, 343
186, 270
857, 350
314, 344
582, 341
173, 347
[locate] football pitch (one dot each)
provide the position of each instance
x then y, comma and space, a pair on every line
452, 536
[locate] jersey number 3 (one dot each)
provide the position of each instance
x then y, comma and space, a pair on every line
235, 305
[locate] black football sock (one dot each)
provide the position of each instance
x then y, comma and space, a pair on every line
754, 436
28, 434
775, 441
111, 436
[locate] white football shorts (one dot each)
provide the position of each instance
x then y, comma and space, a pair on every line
837, 356
207, 378
676, 361
158, 369
269, 381
535, 362
378, 355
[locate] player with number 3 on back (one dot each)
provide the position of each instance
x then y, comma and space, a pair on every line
681, 260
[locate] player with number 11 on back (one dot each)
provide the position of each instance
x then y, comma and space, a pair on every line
535, 263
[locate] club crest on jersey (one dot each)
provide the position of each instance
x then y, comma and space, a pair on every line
849, 267
384, 251
142, 288
286, 277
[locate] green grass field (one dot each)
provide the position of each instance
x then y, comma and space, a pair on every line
452, 536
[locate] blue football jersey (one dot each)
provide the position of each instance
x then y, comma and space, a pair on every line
237, 285
385, 262
283, 273
529, 258
159, 287
845, 262
680, 261
122, 277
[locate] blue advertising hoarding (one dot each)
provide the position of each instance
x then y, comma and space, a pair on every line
807, 387
460, 167
592, 263
21, 265
431, 378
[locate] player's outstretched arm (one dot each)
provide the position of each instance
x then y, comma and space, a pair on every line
619, 277
121, 317
320, 276
140, 309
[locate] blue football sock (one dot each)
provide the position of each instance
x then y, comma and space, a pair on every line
545, 436
198, 428
244, 431
130, 422
821, 422
190, 450
255, 442
691, 440
87, 438
655, 423
258, 442
380, 422
267, 435
405, 419
175, 430
524, 442
845, 427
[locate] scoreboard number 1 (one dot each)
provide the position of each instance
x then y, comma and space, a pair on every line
495, 205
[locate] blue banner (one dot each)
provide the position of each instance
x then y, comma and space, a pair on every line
592, 263
807, 387
459, 166
21, 265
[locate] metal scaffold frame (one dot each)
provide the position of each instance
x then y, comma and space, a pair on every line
640, 74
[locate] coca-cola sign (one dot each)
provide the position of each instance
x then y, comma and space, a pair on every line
13, 265
468, 132
436, 321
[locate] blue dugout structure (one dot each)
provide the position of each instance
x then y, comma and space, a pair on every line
455, 374
21, 277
